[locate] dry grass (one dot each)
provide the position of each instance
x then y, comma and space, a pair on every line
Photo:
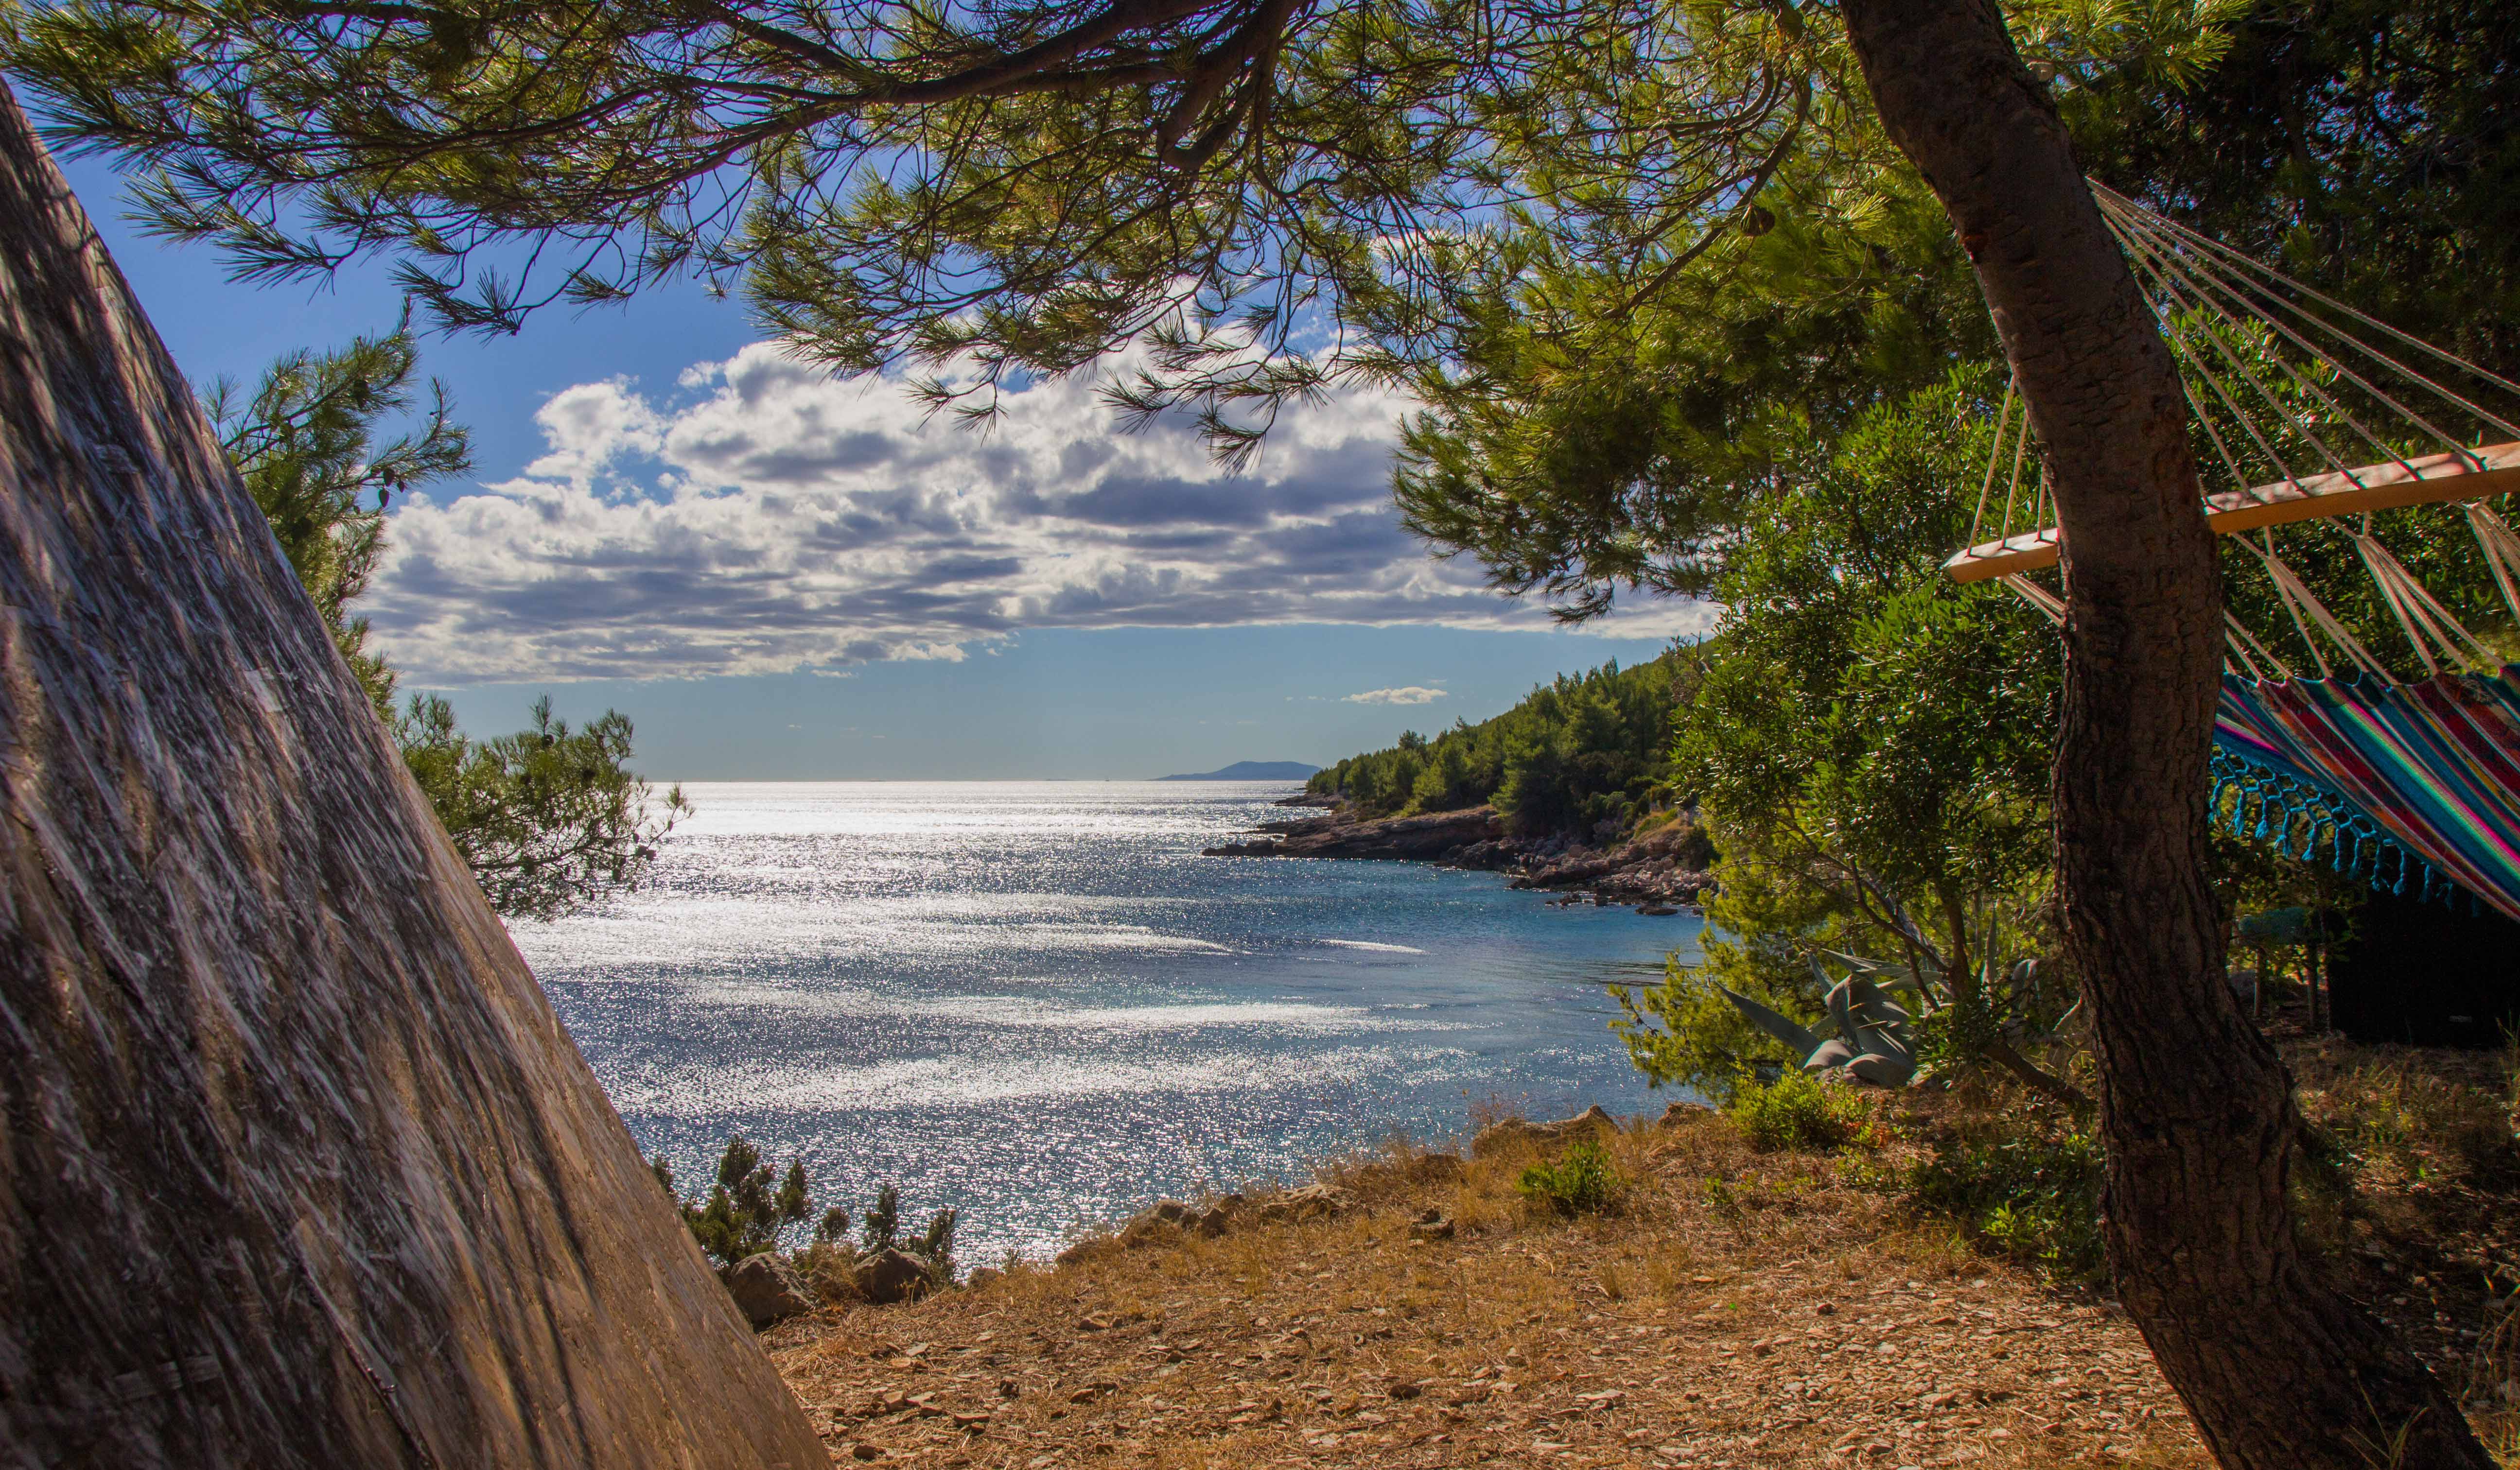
2414, 1190
1683, 1328
1733, 1308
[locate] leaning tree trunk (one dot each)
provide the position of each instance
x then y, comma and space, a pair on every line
2279, 1372
296, 1166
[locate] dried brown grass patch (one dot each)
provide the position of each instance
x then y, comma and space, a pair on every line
1679, 1328
1732, 1308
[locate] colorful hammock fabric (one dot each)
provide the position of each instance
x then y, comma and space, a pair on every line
2382, 774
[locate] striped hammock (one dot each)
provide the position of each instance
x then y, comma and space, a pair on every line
2417, 783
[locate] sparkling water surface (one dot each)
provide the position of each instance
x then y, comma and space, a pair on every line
1037, 1003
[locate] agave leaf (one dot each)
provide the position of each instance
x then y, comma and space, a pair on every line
1841, 1012
1870, 1009
1831, 1055
2022, 976
1876, 1026
1881, 1071
1882, 972
1803, 1043
1876, 1041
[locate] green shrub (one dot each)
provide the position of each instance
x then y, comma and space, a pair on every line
749, 1208
884, 1232
1579, 1182
2027, 1187
752, 1206
1798, 1113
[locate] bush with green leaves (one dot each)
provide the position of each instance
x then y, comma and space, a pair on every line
935, 1245
752, 1206
1869, 744
1798, 1113
749, 1207
1582, 1181
2025, 1183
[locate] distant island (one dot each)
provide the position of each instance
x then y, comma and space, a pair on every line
1252, 771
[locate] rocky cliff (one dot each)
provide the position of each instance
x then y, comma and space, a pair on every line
1661, 868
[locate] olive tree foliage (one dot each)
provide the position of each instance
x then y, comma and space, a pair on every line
549, 819
1259, 196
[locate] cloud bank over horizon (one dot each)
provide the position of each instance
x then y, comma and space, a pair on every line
766, 518
1406, 693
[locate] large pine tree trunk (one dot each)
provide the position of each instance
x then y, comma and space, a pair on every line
2278, 1371
297, 1165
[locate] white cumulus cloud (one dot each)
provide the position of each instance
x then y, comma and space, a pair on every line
760, 516
1406, 693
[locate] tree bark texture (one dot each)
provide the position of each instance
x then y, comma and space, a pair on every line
2279, 1372
297, 1168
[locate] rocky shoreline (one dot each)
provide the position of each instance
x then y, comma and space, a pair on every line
1662, 872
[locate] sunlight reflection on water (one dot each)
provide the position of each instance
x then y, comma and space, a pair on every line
1037, 1003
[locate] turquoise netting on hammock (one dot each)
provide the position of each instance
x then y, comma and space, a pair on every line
2413, 785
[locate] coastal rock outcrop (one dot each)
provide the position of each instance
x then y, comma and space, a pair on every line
1666, 865
768, 1290
1509, 1132
1659, 869
890, 1276
1429, 837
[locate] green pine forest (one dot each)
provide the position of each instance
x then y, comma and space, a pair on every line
1584, 750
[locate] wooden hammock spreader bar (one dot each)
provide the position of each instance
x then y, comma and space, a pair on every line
2418, 480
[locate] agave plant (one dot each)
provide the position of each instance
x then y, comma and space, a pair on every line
1872, 1044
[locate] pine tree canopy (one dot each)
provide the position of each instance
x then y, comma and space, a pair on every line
1262, 195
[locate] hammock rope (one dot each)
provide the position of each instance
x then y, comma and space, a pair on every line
2502, 547
2249, 271
2413, 785
2415, 607
2198, 299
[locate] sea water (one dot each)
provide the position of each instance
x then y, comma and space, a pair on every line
1036, 1003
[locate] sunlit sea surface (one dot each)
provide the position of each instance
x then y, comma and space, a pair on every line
1037, 1003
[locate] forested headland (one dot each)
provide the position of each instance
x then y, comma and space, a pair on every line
1586, 753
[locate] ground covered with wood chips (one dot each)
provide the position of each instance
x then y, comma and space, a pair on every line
1732, 1309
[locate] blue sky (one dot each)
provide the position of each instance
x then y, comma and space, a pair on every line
781, 576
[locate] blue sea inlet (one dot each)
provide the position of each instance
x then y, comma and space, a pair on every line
1037, 1003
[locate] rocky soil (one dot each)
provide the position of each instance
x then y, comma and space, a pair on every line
1731, 1309
1735, 1310
1664, 868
